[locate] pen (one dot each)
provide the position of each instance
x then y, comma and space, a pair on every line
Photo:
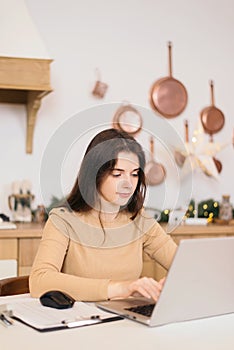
5, 320
82, 321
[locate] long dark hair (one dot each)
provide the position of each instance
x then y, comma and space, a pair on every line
99, 159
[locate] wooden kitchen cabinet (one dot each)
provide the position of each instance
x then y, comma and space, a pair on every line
8, 248
22, 244
27, 251
156, 271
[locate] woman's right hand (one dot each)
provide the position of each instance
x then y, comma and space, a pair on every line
145, 286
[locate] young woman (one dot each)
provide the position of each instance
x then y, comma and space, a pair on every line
92, 247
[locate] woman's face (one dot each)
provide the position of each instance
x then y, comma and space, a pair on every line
118, 186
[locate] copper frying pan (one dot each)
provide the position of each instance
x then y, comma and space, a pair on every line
168, 95
212, 118
155, 172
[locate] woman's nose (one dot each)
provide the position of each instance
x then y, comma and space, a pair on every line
126, 182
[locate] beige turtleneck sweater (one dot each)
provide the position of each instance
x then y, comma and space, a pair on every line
77, 257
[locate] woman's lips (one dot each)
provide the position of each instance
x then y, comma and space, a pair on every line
124, 195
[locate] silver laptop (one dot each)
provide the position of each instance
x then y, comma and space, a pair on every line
200, 283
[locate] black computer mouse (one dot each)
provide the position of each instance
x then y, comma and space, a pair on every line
57, 299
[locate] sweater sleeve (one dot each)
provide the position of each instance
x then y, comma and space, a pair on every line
46, 271
159, 246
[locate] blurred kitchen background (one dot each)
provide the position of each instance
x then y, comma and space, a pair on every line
124, 44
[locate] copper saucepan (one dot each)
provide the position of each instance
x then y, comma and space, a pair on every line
212, 118
168, 95
155, 172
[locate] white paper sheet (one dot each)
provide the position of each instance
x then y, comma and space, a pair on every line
31, 312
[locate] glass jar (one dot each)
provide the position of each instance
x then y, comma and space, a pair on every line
225, 208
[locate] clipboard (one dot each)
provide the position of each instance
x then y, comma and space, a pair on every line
44, 319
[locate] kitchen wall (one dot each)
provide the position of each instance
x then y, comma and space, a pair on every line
127, 41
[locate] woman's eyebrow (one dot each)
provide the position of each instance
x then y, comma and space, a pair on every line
118, 169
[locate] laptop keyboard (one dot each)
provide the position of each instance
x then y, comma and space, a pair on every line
145, 310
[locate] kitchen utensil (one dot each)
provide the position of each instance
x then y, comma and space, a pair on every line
100, 87
168, 95
128, 119
212, 118
179, 156
20, 205
217, 162
155, 172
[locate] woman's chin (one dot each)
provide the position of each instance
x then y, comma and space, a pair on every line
123, 201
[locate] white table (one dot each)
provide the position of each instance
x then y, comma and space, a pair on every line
214, 333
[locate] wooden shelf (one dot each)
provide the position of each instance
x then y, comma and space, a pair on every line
25, 81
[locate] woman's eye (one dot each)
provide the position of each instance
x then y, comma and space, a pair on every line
135, 174
116, 174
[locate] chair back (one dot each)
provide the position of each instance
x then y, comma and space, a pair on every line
14, 285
